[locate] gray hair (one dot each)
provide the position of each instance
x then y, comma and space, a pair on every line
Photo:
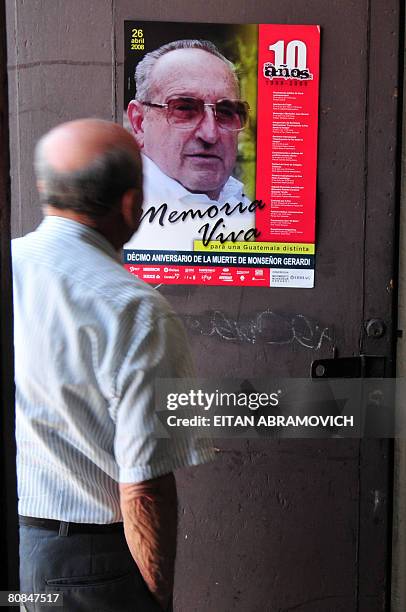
145, 66
94, 190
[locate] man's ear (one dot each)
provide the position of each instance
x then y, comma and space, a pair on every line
135, 112
131, 208
41, 185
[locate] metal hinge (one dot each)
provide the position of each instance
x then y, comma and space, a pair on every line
362, 366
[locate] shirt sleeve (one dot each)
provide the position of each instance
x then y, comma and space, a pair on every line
156, 350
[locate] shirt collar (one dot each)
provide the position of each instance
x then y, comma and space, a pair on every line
61, 226
232, 191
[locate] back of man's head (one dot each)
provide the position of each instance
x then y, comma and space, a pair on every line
86, 166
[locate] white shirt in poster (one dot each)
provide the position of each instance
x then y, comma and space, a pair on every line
179, 236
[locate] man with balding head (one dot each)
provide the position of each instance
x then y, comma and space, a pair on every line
97, 497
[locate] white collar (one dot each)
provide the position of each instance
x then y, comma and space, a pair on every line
232, 191
62, 226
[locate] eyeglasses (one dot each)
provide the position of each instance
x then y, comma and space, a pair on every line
186, 113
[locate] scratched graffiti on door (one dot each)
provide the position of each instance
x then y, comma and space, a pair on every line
266, 327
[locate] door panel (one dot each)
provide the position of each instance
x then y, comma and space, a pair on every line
271, 525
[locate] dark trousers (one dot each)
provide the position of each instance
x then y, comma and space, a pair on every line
93, 572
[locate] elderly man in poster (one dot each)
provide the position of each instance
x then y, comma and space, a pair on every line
186, 119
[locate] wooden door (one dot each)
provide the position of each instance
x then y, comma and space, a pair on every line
272, 525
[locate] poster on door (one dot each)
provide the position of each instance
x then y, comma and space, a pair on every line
226, 117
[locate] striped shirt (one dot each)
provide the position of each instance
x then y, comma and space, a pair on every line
90, 340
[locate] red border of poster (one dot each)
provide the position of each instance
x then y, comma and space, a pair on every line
287, 135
